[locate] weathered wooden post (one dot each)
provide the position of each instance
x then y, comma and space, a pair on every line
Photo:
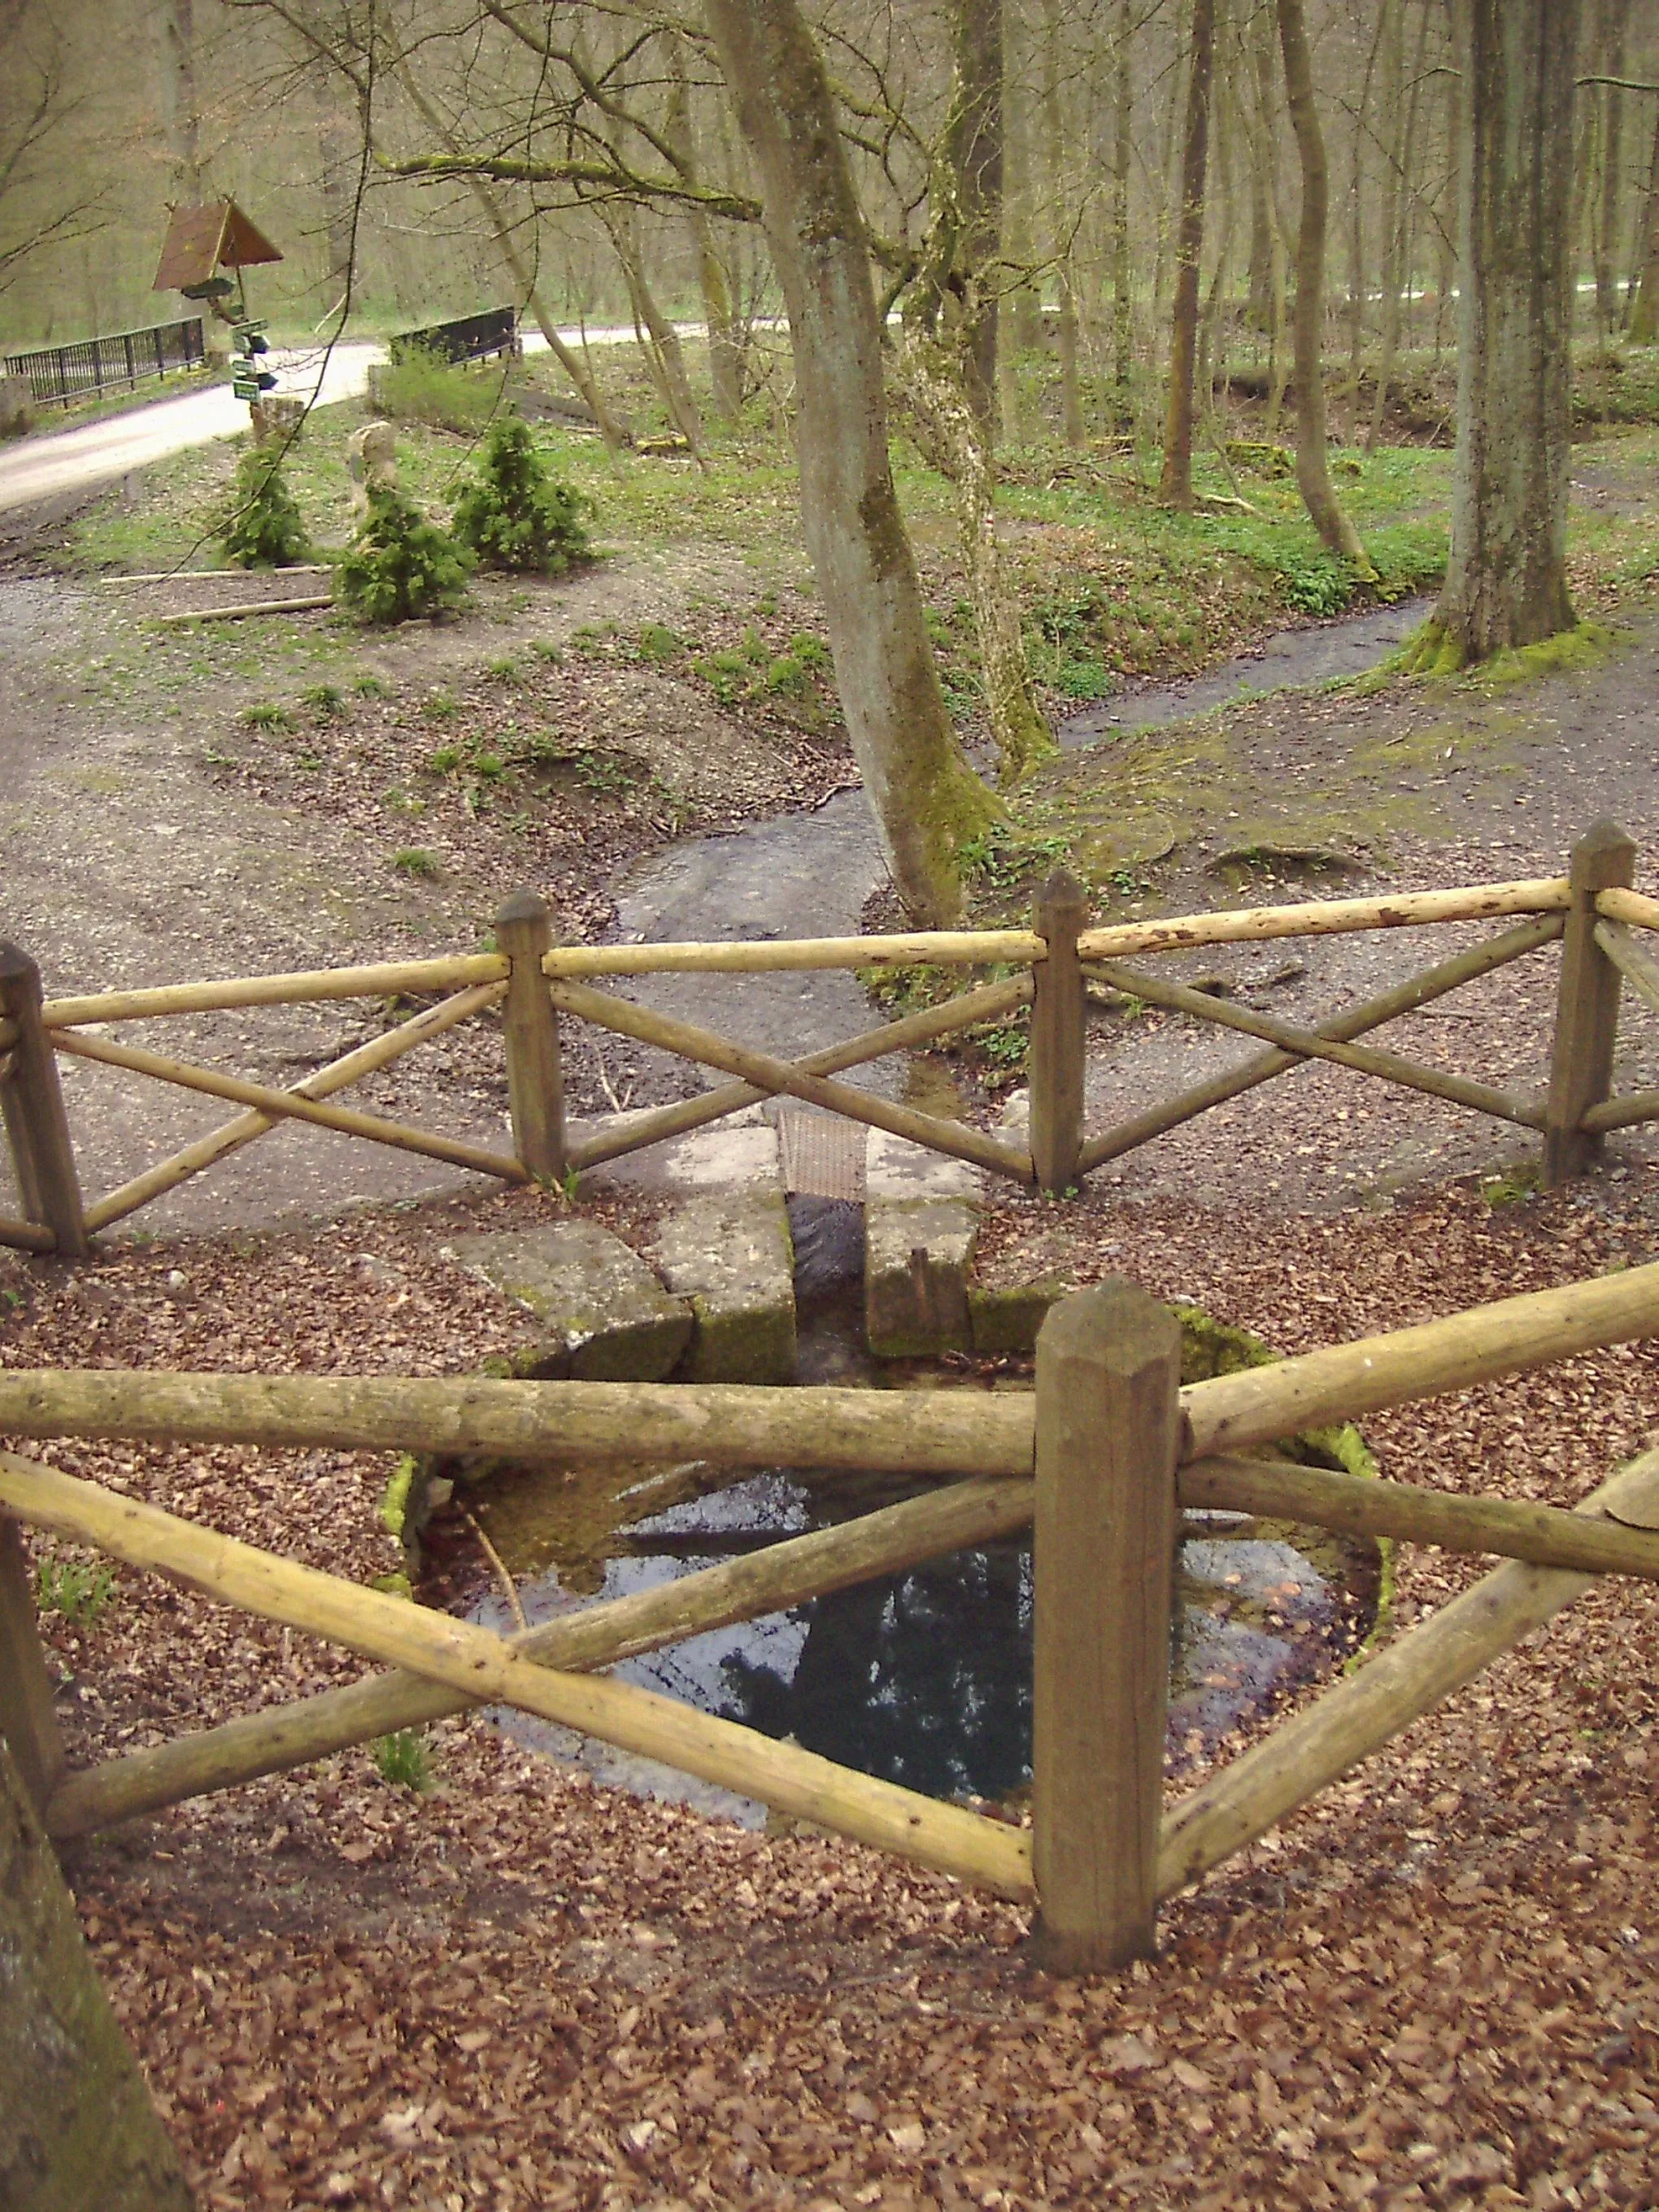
535, 1080
1058, 1033
32, 1102
1586, 1006
27, 1719
1108, 1425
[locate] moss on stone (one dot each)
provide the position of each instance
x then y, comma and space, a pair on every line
394, 1499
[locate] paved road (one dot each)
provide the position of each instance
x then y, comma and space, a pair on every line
56, 461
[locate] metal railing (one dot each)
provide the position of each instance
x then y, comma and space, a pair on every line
61, 376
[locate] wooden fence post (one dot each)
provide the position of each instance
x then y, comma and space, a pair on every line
535, 1080
33, 1105
27, 1719
1108, 1426
1058, 1033
1586, 1008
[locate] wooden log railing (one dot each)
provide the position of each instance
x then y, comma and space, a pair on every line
1592, 908
1097, 1459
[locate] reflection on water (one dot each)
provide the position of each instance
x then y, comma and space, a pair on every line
925, 1678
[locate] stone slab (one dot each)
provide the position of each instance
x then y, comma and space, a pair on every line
736, 1153
732, 1259
917, 1255
604, 1316
1005, 1321
895, 1169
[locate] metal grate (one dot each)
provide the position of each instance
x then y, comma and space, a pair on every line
823, 1155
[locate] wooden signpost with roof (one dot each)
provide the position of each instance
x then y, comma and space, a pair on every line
203, 256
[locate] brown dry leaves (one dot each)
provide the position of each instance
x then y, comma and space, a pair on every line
1438, 1985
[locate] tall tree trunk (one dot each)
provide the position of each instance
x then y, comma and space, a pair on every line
180, 100
1312, 472
1614, 18
1174, 487
725, 360
1645, 315
1392, 220
338, 160
974, 157
949, 433
1506, 582
1054, 135
925, 799
1267, 161
1122, 157
659, 342
77, 2129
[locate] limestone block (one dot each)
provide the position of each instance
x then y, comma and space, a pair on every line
605, 1317
917, 1253
731, 1256
741, 1149
1007, 1320
15, 413
893, 1168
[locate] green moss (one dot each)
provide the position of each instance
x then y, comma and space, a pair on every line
394, 1499
1585, 646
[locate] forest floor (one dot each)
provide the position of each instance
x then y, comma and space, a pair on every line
1438, 1984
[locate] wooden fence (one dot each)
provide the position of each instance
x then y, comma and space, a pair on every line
1098, 1460
1599, 919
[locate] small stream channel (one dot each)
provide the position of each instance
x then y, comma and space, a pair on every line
922, 1678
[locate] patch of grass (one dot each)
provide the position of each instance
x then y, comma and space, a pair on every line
504, 669
442, 706
403, 1761
548, 649
415, 860
607, 775
420, 388
266, 714
1004, 857
323, 698
659, 643
444, 762
489, 768
1512, 1186
79, 1589
370, 686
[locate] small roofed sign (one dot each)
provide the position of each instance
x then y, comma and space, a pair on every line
202, 242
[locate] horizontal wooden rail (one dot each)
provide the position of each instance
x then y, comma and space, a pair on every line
1359, 1506
785, 1574
1308, 1044
293, 1105
28, 1236
239, 610
1619, 904
725, 1424
1371, 1014
1625, 1113
741, 1425
478, 1663
1325, 917
647, 1026
1395, 1688
393, 979
654, 1123
230, 1136
937, 948
1345, 1381
1632, 958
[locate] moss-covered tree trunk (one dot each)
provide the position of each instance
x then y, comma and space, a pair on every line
1644, 314
78, 2132
1313, 474
973, 155
1175, 486
1506, 581
950, 435
925, 799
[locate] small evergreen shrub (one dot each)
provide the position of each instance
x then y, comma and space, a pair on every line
262, 526
514, 514
400, 565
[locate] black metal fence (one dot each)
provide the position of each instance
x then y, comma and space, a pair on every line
58, 376
469, 338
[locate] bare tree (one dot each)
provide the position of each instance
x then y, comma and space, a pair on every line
1176, 483
45, 199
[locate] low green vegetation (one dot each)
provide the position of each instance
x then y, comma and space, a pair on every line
400, 565
415, 860
263, 526
514, 514
403, 1761
419, 387
78, 1589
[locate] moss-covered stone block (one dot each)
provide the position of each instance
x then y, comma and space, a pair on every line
731, 1257
604, 1316
917, 1255
1006, 1321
